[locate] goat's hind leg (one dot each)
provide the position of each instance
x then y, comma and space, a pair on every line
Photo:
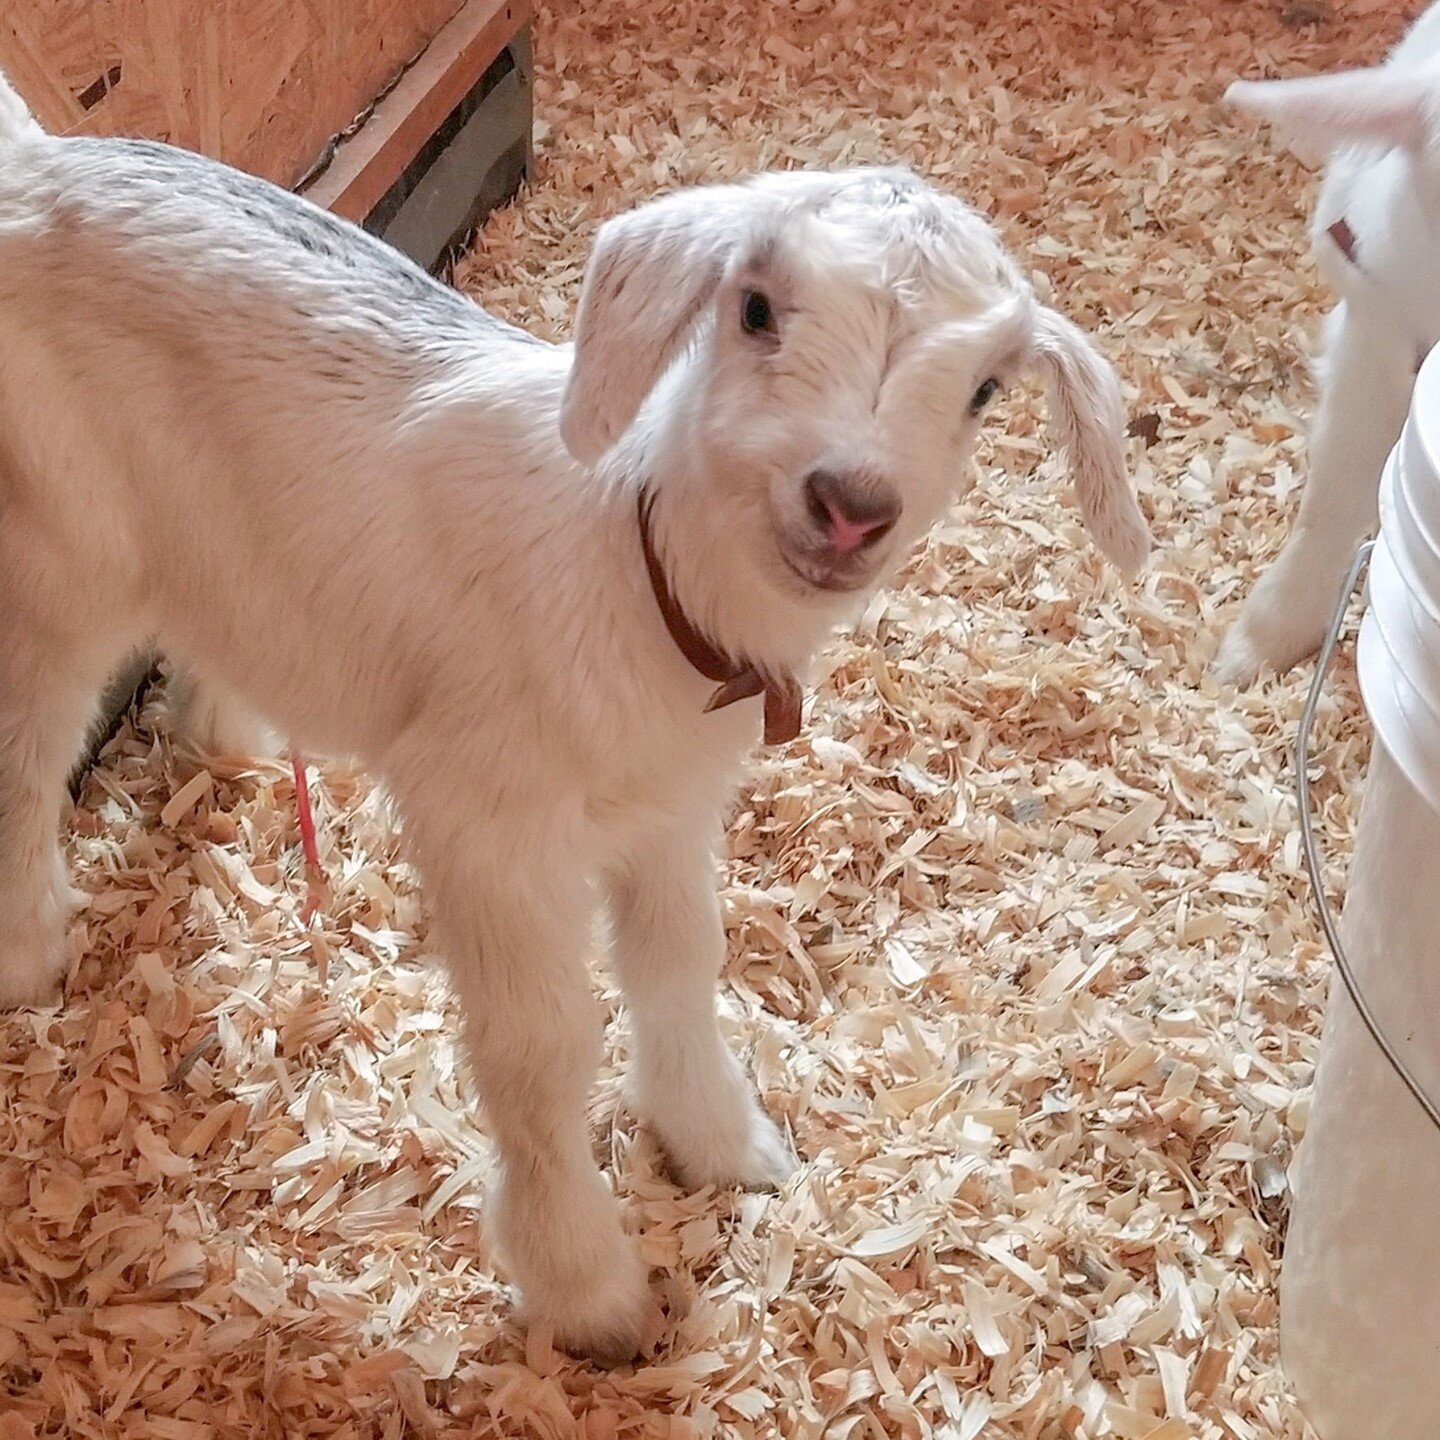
213, 718
48, 690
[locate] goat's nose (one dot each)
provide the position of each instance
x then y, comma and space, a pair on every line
852, 513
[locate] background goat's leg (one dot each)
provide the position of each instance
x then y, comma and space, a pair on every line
1367, 373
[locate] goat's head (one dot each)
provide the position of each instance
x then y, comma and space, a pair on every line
820, 349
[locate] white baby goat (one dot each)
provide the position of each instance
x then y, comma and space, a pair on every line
405, 532
1376, 234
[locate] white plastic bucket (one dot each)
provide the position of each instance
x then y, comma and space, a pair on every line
1360, 1293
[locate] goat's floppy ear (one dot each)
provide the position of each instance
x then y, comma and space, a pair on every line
1087, 409
1319, 112
650, 274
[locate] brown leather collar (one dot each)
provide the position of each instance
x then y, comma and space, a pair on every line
736, 680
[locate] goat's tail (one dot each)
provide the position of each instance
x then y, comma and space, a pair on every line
16, 121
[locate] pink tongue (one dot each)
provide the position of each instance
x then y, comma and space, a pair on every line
847, 535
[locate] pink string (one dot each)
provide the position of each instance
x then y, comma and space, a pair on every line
314, 876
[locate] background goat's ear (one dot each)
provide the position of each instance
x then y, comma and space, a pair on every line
1087, 409
1317, 113
650, 274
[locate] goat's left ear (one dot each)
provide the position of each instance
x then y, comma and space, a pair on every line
1087, 409
650, 274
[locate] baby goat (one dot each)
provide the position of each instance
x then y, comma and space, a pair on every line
1376, 234
506, 576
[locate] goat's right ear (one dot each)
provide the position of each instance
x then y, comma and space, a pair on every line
650, 274
1318, 112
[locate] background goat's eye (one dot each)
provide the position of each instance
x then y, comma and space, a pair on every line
984, 395
756, 314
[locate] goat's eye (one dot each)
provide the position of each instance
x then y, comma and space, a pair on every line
756, 313
984, 395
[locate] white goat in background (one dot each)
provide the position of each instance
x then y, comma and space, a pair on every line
1376, 234
503, 575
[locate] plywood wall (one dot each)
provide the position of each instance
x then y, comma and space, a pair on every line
263, 84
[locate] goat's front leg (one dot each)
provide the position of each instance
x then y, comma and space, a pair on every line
515, 946
1367, 373
684, 1082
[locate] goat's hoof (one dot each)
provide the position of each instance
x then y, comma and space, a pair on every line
31, 992
1242, 660
31, 975
609, 1325
609, 1350
1280, 625
1244, 657
1237, 662
34, 948
752, 1156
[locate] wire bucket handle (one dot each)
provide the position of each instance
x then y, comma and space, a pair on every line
1309, 842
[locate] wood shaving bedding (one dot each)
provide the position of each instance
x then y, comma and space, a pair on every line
1021, 948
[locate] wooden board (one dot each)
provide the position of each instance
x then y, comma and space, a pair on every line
262, 84
367, 164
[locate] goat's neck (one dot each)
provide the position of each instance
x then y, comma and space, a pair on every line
728, 593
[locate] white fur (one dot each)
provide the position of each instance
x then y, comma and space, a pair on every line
342, 493
1381, 129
